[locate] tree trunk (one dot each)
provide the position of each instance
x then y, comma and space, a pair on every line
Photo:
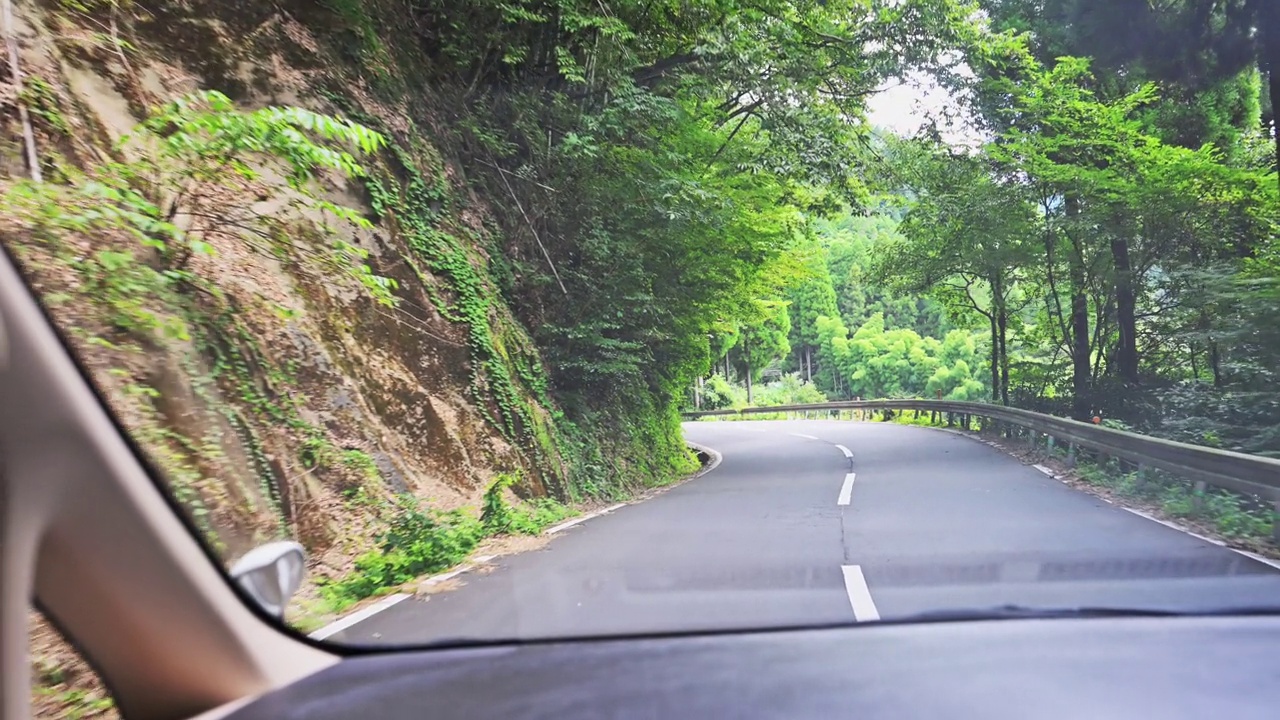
1081, 362
995, 358
1270, 51
1274, 84
697, 394
1126, 322
808, 363
1004, 355
1215, 363
1000, 316
746, 360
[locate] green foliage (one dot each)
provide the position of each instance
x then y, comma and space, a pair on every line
719, 394
360, 462
415, 205
1234, 516
789, 390
416, 542
420, 541
497, 516
361, 38
192, 152
42, 101
762, 339
1101, 236
650, 177
878, 363
200, 146
76, 704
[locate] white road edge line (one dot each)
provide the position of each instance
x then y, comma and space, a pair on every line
566, 525
1174, 526
847, 452
716, 457
1262, 559
802, 435
855, 585
846, 490
355, 618
1045, 470
336, 627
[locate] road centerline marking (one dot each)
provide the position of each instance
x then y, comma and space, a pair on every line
846, 490
855, 586
847, 452
802, 435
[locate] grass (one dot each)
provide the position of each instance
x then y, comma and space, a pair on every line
75, 703
1230, 515
420, 541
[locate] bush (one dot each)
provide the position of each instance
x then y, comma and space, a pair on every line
789, 390
496, 516
415, 543
720, 394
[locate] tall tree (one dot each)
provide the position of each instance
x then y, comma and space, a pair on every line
1205, 54
965, 237
812, 298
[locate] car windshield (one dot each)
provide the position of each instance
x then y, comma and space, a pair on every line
540, 320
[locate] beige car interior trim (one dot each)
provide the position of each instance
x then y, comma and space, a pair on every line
86, 532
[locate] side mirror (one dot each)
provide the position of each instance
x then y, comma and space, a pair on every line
270, 574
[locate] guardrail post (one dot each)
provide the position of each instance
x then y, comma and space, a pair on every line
1071, 454
1197, 496
1275, 527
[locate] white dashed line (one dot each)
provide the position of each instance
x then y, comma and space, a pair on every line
846, 490
802, 435
855, 585
847, 452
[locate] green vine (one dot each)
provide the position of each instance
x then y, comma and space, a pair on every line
416, 210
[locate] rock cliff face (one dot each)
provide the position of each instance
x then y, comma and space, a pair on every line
275, 391
337, 356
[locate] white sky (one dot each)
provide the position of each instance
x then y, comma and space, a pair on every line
903, 107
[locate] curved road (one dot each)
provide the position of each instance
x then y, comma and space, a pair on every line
822, 521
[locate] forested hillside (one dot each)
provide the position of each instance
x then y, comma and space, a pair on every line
392, 276
1106, 248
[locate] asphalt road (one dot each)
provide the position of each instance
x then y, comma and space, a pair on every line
791, 531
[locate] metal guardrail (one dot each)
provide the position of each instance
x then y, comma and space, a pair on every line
1247, 474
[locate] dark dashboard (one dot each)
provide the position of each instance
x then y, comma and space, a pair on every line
1096, 668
